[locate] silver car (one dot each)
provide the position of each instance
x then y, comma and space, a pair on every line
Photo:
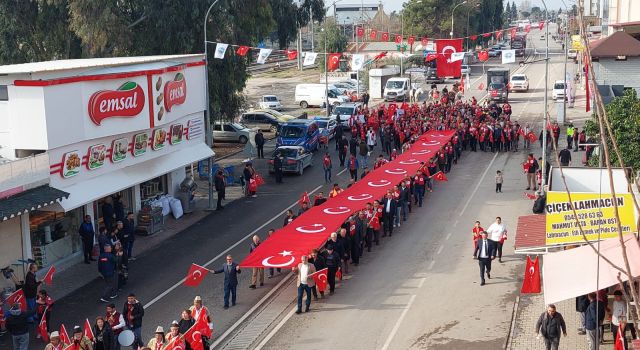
231, 132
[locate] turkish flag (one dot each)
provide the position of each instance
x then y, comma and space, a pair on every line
430, 57
175, 344
339, 274
532, 137
292, 54
88, 331
411, 40
334, 61
527, 28
473, 37
531, 282
373, 35
320, 277
529, 195
194, 338
195, 276
360, 32
242, 50
445, 47
17, 297
424, 41
304, 198
203, 327
440, 176
514, 31
541, 25
461, 88
498, 34
521, 132
620, 343
48, 278
42, 327
385, 36
398, 39
481, 86
64, 336
483, 55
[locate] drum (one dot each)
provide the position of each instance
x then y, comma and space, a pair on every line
126, 338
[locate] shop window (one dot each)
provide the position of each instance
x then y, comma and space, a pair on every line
4, 93
54, 235
153, 188
115, 210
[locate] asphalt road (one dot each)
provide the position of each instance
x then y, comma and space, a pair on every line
447, 305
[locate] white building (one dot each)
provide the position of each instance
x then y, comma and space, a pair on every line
106, 128
624, 15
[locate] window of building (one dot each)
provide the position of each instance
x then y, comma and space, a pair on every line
4, 93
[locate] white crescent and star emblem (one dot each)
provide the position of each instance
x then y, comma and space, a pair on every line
424, 151
266, 261
315, 228
448, 48
360, 197
196, 274
334, 59
431, 143
409, 162
336, 210
395, 171
532, 270
379, 183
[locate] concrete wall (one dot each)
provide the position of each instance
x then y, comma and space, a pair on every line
10, 247
611, 72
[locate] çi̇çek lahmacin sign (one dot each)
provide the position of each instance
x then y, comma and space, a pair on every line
596, 214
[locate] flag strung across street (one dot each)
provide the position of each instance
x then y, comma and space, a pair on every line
309, 58
263, 55
221, 49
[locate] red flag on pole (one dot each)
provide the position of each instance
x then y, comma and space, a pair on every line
17, 297
194, 338
430, 57
334, 61
175, 344
304, 198
339, 272
242, 50
43, 328
88, 331
445, 48
531, 282
424, 41
203, 327
461, 88
411, 40
481, 86
385, 36
473, 37
486, 35
541, 25
373, 35
440, 176
521, 131
532, 137
195, 276
360, 32
498, 34
620, 339
483, 56
527, 28
48, 278
530, 195
320, 277
514, 31
292, 54
64, 336
398, 39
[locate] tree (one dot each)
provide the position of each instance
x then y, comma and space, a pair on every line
289, 17
525, 14
507, 13
332, 40
514, 11
623, 113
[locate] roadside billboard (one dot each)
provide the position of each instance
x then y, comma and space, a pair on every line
595, 212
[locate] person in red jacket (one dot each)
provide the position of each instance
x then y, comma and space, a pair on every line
475, 234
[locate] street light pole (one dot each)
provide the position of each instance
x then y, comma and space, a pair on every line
209, 133
546, 97
326, 55
452, 11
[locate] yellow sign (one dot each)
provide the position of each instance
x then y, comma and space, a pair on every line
576, 43
596, 214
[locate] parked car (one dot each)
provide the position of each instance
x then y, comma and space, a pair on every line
572, 54
495, 51
271, 102
294, 159
543, 37
465, 69
346, 110
266, 120
317, 94
559, 90
299, 132
327, 127
231, 132
519, 82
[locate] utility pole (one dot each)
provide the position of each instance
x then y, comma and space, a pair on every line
546, 97
207, 117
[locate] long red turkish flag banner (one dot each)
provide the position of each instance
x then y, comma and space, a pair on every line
311, 230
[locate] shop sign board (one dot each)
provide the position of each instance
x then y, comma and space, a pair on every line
126, 101
595, 212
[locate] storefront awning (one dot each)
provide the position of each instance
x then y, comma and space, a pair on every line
530, 234
104, 185
579, 271
33, 199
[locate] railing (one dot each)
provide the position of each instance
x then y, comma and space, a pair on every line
24, 171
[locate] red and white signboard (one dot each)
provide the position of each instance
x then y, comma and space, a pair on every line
126, 101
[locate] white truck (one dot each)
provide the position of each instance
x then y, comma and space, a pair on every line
397, 89
316, 95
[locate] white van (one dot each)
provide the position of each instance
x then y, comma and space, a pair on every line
397, 89
314, 95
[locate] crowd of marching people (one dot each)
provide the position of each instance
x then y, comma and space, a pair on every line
385, 132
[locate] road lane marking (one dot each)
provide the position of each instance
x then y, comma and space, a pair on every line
433, 262
343, 170
448, 236
440, 248
455, 223
179, 283
478, 184
422, 280
276, 329
398, 322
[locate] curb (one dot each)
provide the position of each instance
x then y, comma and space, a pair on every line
514, 312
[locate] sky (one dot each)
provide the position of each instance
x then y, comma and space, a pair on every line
396, 5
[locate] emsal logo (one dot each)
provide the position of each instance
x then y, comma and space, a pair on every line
175, 92
125, 102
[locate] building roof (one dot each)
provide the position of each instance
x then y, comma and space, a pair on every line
61, 65
616, 44
531, 232
29, 200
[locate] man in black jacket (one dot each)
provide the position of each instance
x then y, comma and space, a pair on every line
30, 288
388, 212
220, 185
353, 146
565, 157
231, 271
486, 253
87, 235
346, 247
333, 261
17, 325
338, 135
129, 236
404, 199
133, 313
550, 325
343, 145
259, 140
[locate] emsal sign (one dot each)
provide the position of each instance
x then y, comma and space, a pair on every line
125, 102
175, 92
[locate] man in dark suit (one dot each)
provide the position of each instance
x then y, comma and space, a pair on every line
231, 271
486, 253
403, 201
388, 212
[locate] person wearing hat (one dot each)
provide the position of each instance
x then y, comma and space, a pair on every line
104, 337
17, 325
157, 342
79, 341
54, 342
174, 335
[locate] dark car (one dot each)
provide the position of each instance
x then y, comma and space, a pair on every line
294, 159
261, 120
495, 51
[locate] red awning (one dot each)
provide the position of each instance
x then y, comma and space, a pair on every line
311, 230
531, 234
